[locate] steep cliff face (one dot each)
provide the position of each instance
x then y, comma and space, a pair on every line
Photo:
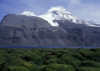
81, 34
31, 30
23, 30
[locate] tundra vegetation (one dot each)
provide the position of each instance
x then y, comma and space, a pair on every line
49, 59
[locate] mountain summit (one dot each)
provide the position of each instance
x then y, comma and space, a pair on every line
59, 13
29, 29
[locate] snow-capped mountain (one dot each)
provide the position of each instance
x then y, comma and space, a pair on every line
59, 13
28, 29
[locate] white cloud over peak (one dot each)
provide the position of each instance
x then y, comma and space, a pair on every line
28, 13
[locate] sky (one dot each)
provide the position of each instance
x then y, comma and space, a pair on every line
83, 9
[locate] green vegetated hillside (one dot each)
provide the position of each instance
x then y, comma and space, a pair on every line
50, 59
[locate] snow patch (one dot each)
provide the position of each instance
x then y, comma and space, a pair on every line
50, 19
28, 13
59, 13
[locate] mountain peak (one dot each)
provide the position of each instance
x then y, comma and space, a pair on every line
58, 9
58, 13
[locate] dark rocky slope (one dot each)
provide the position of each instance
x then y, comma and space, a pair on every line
81, 34
24, 30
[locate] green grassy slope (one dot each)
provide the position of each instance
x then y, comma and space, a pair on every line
50, 59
